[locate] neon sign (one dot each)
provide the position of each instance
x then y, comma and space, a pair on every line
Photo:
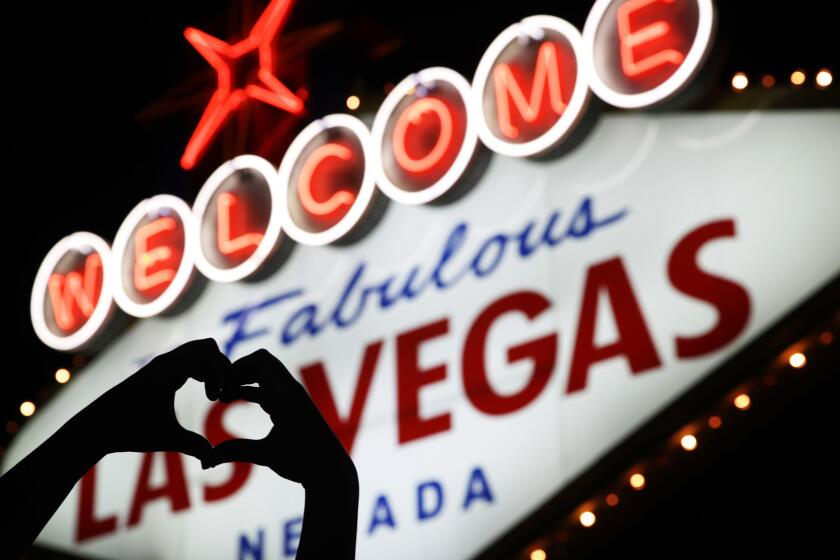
531, 86
229, 95
235, 211
424, 135
326, 179
644, 51
71, 297
529, 92
152, 263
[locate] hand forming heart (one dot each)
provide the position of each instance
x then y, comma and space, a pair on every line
139, 415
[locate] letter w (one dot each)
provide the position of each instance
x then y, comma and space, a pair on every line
67, 293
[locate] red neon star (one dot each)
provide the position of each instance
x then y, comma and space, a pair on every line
229, 96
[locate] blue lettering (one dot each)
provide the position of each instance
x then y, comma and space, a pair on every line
498, 241
388, 292
241, 316
477, 488
382, 515
423, 511
247, 549
345, 295
526, 250
548, 238
301, 322
291, 536
453, 243
385, 300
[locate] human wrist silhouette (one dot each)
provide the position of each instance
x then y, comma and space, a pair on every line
138, 414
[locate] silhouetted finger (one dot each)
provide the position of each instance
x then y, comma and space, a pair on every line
237, 450
206, 363
193, 444
253, 368
246, 393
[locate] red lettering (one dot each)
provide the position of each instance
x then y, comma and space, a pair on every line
634, 341
174, 489
315, 380
216, 434
410, 379
542, 353
632, 38
73, 296
546, 75
159, 256
339, 198
413, 115
731, 300
88, 524
242, 245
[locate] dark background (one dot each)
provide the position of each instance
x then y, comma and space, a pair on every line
98, 102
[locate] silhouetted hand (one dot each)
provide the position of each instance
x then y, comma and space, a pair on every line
300, 447
135, 415
139, 413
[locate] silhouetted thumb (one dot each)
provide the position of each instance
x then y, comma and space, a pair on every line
236, 450
193, 444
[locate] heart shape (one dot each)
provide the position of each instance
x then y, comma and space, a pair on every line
139, 413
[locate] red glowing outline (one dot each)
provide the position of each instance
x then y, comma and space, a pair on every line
224, 202
505, 83
64, 290
412, 116
305, 181
226, 100
629, 40
145, 257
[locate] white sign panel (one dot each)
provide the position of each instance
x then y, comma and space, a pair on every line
478, 356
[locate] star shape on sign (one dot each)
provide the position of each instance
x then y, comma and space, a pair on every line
226, 58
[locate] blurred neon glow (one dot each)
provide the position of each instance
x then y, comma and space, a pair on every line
339, 198
228, 96
630, 38
412, 116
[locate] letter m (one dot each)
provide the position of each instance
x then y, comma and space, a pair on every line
546, 75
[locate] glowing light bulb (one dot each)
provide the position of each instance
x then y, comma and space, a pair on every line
688, 442
62, 375
27, 408
587, 519
824, 78
797, 78
742, 401
637, 481
538, 554
353, 102
797, 360
740, 81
